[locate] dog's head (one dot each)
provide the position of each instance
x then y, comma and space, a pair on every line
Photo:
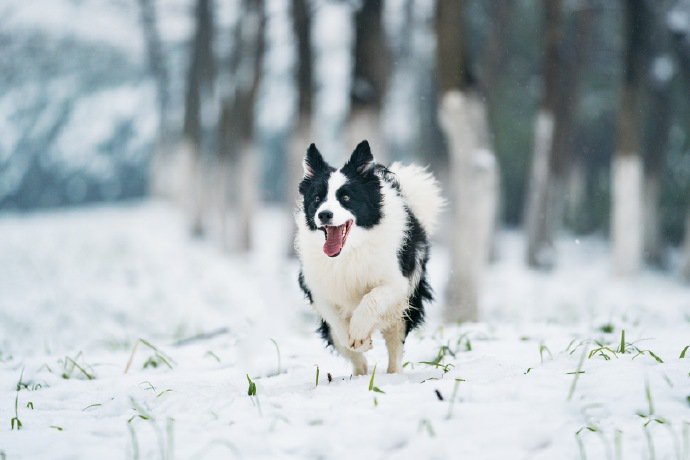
341, 203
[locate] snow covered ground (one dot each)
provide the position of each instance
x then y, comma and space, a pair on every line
542, 377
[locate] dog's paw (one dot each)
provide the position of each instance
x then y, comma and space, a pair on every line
359, 333
360, 345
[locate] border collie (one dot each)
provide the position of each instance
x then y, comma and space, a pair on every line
363, 244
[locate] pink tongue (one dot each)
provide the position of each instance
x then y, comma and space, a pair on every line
334, 241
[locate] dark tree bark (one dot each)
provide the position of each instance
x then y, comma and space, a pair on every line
681, 46
496, 48
302, 26
450, 50
370, 74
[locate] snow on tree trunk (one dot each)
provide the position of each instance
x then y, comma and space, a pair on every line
474, 176
539, 245
626, 215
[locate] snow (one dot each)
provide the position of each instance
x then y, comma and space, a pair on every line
663, 68
113, 23
86, 284
678, 18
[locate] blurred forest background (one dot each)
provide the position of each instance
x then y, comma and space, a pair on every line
549, 115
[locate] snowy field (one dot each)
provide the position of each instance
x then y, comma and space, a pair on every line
548, 374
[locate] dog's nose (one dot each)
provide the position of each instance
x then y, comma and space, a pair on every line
325, 216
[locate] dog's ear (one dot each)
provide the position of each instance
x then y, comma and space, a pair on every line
313, 162
361, 161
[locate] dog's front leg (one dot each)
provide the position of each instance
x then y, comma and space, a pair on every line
337, 325
338, 328
375, 306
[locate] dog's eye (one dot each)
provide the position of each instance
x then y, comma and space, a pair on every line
346, 197
317, 199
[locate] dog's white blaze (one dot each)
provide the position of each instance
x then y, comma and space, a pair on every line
340, 214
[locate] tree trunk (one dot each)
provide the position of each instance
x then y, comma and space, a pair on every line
575, 51
553, 154
686, 249
540, 251
473, 168
658, 122
162, 159
370, 76
302, 134
237, 132
653, 242
627, 178
199, 94
576, 197
474, 175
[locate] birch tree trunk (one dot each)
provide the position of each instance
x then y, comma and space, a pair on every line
473, 168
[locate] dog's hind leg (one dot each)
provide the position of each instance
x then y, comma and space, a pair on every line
359, 362
395, 342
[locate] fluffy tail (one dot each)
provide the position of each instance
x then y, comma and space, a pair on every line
422, 193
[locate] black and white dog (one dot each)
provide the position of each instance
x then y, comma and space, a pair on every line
363, 243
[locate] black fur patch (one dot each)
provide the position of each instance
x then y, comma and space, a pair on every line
363, 187
415, 250
325, 331
314, 186
305, 288
414, 315
365, 201
414, 246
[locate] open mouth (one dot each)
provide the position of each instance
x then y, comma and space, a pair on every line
335, 238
